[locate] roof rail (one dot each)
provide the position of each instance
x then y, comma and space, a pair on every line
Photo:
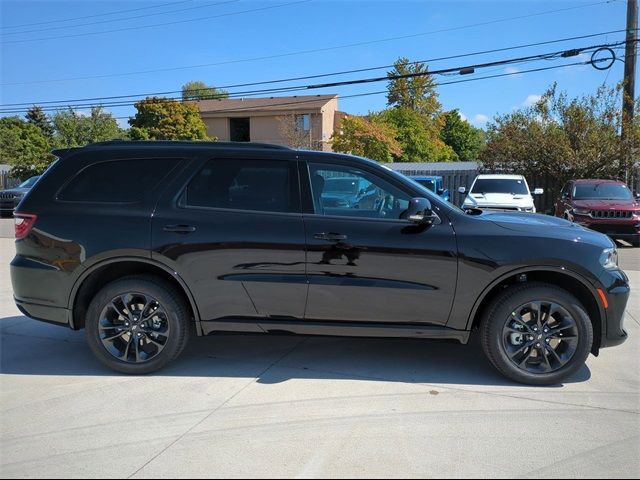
190, 143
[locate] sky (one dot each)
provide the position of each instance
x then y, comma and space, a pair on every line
50, 53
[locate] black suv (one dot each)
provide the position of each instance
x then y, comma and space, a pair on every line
141, 243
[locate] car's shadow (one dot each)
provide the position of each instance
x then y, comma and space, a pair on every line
28, 347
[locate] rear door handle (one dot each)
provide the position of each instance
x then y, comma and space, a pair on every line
179, 228
330, 237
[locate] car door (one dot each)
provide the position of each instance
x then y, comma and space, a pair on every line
232, 228
365, 264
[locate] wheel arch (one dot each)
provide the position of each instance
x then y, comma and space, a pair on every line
96, 276
566, 279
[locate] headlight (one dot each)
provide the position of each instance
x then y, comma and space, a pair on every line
582, 211
609, 258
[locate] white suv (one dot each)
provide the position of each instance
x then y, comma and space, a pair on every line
500, 192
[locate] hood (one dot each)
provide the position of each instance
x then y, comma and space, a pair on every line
597, 204
499, 200
15, 191
546, 226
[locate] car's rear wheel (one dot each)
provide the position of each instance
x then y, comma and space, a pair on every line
536, 333
137, 325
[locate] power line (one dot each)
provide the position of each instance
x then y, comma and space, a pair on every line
305, 52
176, 22
458, 69
452, 82
121, 19
321, 75
380, 92
48, 22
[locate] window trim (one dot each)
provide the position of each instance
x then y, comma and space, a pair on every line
178, 161
294, 176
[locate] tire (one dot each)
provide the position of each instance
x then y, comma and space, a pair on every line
505, 346
163, 336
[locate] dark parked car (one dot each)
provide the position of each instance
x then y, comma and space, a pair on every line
10, 197
139, 242
607, 206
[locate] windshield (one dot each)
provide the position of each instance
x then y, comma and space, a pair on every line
427, 183
341, 185
500, 185
28, 183
602, 191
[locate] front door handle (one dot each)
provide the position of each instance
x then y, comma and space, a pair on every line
330, 237
179, 228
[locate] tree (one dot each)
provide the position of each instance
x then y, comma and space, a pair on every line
294, 134
36, 116
466, 140
418, 136
366, 138
198, 90
415, 91
166, 119
73, 129
24, 147
561, 137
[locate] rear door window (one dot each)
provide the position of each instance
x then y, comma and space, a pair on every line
239, 184
117, 181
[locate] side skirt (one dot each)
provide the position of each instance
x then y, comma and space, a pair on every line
336, 329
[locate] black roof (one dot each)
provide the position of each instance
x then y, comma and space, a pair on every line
62, 152
187, 143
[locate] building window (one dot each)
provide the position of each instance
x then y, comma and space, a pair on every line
303, 122
239, 129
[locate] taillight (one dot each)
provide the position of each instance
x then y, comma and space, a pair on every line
24, 222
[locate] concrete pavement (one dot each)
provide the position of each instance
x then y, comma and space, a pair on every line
247, 406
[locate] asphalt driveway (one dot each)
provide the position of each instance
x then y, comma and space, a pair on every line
239, 405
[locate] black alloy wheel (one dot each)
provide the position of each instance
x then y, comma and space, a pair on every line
540, 336
138, 324
134, 327
536, 333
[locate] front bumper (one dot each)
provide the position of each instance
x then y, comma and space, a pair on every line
620, 228
617, 293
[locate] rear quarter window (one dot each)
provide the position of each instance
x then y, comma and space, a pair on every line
117, 181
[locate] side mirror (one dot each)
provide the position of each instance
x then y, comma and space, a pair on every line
419, 212
462, 189
636, 195
440, 191
538, 191
565, 195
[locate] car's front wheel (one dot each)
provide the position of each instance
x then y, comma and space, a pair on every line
137, 324
536, 333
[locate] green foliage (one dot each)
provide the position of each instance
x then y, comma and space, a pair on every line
561, 137
466, 140
24, 147
198, 90
167, 119
36, 116
418, 135
73, 129
366, 138
416, 92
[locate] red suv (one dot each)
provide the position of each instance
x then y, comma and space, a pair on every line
607, 206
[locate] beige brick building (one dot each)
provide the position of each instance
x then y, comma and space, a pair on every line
306, 121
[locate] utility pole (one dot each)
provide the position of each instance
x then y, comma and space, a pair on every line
628, 98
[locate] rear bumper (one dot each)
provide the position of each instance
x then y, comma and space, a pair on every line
45, 313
